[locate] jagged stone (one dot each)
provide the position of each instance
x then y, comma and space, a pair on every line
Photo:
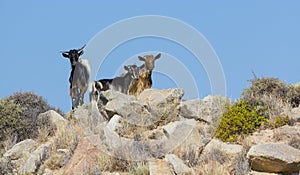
178, 165
159, 167
184, 134
260, 137
55, 118
89, 120
162, 103
36, 159
231, 150
274, 158
21, 149
206, 110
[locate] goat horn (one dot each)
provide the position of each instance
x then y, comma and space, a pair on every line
81, 48
64, 52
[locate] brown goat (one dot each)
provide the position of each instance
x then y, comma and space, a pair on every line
145, 73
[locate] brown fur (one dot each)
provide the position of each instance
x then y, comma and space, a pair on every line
144, 82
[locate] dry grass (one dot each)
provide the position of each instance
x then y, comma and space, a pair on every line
66, 137
213, 168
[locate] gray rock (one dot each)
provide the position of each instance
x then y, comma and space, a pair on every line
274, 158
36, 159
162, 104
295, 114
159, 167
89, 119
206, 110
55, 118
185, 134
133, 112
178, 165
21, 149
231, 150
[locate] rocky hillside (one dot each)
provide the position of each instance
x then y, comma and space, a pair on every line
156, 133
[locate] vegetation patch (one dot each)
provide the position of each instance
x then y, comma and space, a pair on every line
240, 120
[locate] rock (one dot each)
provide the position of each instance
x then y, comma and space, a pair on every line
295, 114
21, 149
89, 120
231, 150
162, 104
85, 155
287, 133
114, 122
178, 165
55, 118
274, 158
36, 159
263, 173
260, 137
111, 95
159, 167
206, 110
133, 112
184, 135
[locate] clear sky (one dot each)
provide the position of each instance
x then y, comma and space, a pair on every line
262, 36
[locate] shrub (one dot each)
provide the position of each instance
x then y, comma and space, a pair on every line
293, 95
265, 86
241, 119
278, 121
31, 106
11, 122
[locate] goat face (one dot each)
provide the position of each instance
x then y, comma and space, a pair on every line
133, 70
73, 55
149, 61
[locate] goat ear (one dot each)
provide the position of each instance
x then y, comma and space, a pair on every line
141, 58
65, 55
80, 53
126, 68
157, 56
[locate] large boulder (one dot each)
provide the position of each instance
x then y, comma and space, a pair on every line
207, 110
274, 158
21, 149
36, 159
55, 118
15, 158
162, 104
89, 118
231, 150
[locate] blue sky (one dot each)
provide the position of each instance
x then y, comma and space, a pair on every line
262, 36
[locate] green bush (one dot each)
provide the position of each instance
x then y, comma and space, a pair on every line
278, 121
241, 119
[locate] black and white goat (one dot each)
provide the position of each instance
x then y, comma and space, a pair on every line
120, 84
79, 77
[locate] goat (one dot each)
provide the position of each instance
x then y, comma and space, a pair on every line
145, 80
79, 76
120, 84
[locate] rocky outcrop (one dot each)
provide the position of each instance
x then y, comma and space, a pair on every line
274, 158
157, 130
